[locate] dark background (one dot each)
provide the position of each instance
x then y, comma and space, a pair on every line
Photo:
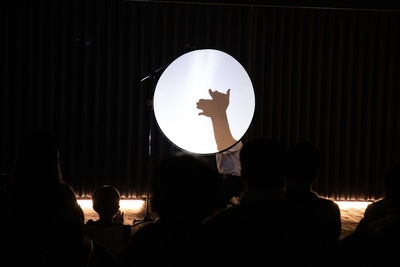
323, 72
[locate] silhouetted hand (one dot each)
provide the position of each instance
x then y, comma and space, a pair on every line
215, 109
216, 106
119, 217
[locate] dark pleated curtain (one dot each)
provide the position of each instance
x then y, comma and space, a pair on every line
325, 76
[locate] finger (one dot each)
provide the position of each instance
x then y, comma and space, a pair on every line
201, 113
210, 92
228, 92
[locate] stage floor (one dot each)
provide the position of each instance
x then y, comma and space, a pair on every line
351, 212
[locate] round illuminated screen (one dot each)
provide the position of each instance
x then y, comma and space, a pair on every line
204, 101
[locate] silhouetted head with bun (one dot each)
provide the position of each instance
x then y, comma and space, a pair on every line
184, 188
262, 167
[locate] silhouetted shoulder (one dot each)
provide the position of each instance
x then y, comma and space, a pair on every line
328, 211
243, 226
63, 194
374, 211
66, 191
328, 203
65, 205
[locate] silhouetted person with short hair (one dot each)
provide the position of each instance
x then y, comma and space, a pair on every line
375, 240
109, 230
315, 221
254, 230
106, 200
185, 191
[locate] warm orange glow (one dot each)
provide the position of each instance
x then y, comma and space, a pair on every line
351, 212
135, 209
352, 204
131, 204
137, 204
125, 204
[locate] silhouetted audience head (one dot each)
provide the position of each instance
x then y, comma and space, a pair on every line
106, 201
262, 162
303, 162
392, 187
184, 188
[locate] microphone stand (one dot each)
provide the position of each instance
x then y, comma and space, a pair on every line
152, 76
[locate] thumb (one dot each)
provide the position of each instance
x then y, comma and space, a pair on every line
228, 93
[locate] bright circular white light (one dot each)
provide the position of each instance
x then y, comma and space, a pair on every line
196, 76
